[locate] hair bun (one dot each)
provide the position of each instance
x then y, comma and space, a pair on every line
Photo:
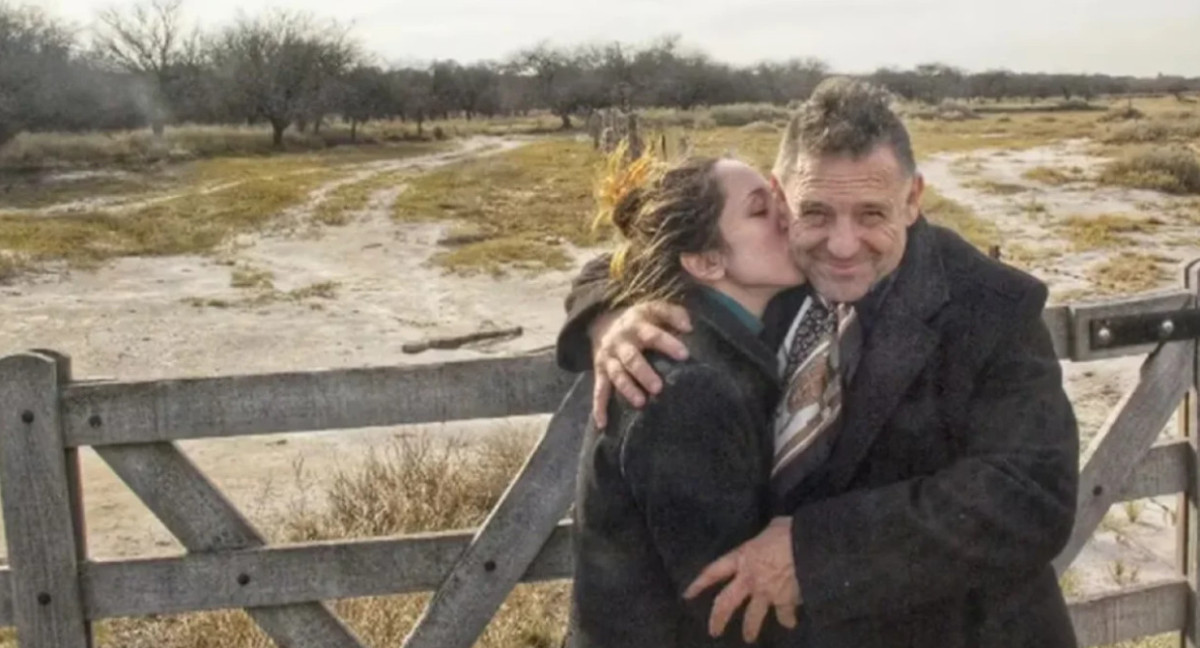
625, 210
623, 188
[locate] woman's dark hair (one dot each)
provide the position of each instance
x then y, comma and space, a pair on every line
661, 212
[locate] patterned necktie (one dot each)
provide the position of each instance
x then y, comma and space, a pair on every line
807, 415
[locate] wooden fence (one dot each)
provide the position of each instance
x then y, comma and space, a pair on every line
51, 591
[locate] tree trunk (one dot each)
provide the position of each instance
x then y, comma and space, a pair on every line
353, 130
277, 128
302, 124
566, 120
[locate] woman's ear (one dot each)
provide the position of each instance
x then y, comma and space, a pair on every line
706, 267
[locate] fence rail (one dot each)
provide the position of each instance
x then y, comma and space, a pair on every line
52, 592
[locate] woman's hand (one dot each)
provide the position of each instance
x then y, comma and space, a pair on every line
619, 341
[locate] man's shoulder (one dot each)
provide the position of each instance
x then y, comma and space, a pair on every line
975, 278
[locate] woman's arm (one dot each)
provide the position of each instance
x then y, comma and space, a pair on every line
699, 472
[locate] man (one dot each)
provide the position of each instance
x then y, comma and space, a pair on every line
924, 496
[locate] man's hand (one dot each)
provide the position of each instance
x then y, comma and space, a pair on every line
763, 571
618, 343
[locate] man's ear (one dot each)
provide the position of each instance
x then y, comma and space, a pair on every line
913, 202
707, 267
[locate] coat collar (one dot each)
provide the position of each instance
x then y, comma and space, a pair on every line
897, 347
726, 325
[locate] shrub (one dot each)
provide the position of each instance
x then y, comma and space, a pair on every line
1125, 112
1172, 170
747, 113
760, 127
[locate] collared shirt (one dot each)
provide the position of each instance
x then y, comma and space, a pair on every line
744, 316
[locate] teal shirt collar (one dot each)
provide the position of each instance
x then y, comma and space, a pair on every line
744, 316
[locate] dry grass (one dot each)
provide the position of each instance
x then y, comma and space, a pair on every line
748, 113
1070, 584
193, 222
1025, 256
1158, 641
1159, 130
995, 188
218, 198
960, 218
1019, 131
342, 203
1054, 177
412, 486
526, 202
1174, 170
252, 278
33, 151
1103, 230
1129, 272
33, 191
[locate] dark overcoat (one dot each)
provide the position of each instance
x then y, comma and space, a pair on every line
952, 482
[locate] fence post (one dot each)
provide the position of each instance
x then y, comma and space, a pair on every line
1189, 505
39, 516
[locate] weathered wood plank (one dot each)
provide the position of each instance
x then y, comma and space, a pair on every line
1138, 611
1162, 471
381, 566
288, 574
6, 602
1189, 524
1129, 432
1058, 322
192, 508
99, 413
47, 608
133, 412
513, 534
1083, 314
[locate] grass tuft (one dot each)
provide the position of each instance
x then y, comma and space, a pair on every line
1102, 231
960, 218
524, 205
1129, 272
1174, 170
1054, 176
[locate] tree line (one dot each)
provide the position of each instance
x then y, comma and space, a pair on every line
142, 66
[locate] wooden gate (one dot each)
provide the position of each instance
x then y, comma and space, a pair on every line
51, 591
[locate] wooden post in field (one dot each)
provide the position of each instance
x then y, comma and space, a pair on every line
39, 514
1189, 505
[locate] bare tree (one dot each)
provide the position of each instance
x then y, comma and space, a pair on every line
35, 67
556, 78
281, 67
147, 40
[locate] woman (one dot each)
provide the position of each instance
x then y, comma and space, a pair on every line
668, 488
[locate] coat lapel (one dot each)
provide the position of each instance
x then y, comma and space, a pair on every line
897, 347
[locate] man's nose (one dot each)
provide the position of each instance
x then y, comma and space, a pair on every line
843, 240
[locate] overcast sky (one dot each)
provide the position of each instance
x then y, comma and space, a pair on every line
1142, 37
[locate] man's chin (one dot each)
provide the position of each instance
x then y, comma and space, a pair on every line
841, 291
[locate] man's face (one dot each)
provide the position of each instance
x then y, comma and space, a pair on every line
850, 220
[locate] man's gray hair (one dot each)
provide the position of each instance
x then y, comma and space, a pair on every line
843, 117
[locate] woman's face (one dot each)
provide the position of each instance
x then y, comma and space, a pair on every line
755, 231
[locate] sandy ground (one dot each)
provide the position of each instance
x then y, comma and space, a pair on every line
134, 319
1138, 539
